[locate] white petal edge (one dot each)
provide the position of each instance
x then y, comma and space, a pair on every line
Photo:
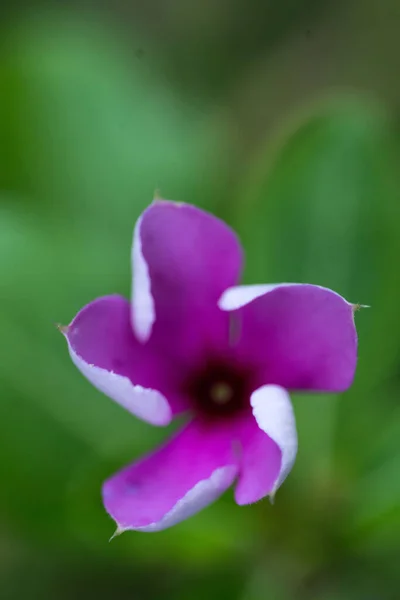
273, 411
147, 404
204, 493
238, 296
143, 309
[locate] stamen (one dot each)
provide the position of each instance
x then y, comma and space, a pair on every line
221, 393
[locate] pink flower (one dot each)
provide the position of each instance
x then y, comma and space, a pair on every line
192, 341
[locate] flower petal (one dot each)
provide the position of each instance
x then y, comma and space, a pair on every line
188, 473
302, 336
103, 347
269, 445
183, 259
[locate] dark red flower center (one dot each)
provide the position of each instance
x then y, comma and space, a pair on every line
219, 389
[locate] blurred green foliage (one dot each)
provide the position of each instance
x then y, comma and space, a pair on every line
89, 130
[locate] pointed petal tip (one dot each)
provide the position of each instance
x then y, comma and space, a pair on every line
117, 532
356, 307
158, 199
157, 196
62, 328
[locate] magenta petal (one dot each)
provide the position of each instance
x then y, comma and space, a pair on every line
188, 473
302, 336
269, 445
260, 464
183, 259
103, 347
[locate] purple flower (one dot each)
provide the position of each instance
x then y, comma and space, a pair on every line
192, 341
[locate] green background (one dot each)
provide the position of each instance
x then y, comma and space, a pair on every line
280, 117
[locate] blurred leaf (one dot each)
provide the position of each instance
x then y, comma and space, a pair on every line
324, 209
375, 510
208, 46
84, 127
93, 137
299, 219
306, 202
37, 457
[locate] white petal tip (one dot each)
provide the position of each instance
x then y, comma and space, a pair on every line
117, 532
157, 195
357, 307
62, 328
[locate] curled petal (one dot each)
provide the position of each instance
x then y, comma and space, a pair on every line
269, 445
183, 259
166, 487
103, 347
302, 336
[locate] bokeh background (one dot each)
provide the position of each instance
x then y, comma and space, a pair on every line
281, 116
